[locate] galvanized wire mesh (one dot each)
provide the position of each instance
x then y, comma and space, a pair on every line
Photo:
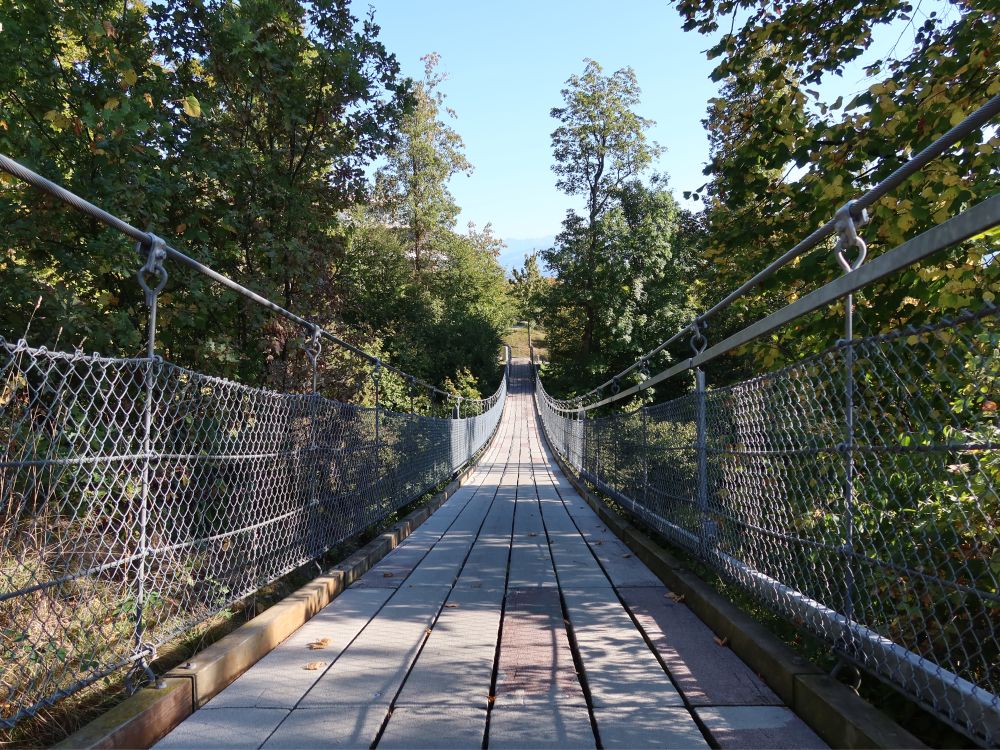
113, 540
882, 538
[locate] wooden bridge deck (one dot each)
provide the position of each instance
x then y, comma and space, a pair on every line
512, 618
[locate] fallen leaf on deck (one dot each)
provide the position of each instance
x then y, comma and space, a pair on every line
388, 575
450, 606
721, 641
627, 555
314, 665
678, 598
321, 643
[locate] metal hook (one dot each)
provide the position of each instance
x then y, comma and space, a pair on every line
156, 253
698, 341
847, 227
314, 347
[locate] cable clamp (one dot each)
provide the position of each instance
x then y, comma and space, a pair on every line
156, 253
846, 226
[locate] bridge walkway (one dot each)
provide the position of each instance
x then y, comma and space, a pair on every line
511, 618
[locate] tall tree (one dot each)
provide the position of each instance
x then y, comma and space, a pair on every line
640, 276
528, 287
436, 299
599, 145
412, 187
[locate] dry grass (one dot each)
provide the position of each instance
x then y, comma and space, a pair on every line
517, 340
54, 723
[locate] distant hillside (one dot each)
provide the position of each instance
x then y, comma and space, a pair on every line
513, 256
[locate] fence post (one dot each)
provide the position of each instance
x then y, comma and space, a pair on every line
156, 253
313, 349
706, 530
377, 379
645, 457
846, 225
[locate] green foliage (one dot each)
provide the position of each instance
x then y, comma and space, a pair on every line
529, 288
240, 132
622, 267
234, 130
412, 187
783, 161
600, 143
447, 319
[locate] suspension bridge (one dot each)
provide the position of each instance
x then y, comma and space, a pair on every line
853, 493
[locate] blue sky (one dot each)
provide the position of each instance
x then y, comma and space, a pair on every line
506, 64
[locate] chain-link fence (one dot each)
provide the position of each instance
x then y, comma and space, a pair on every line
138, 498
882, 538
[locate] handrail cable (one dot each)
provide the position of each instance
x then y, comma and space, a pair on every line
972, 122
25, 174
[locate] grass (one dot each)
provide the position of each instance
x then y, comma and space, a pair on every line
517, 340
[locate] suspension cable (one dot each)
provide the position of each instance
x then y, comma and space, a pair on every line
972, 122
146, 239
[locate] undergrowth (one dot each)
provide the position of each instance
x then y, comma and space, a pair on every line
54, 723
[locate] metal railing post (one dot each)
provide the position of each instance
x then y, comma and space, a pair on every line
155, 249
706, 530
645, 456
846, 224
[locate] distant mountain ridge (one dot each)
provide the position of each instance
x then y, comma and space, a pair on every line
517, 249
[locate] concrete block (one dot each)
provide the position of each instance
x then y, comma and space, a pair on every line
706, 673
346, 725
843, 719
279, 680
536, 664
758, 726
224, 728
649, 726
438, 727
619, 666
541, 725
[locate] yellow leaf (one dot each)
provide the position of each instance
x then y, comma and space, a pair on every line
956, 117
130, 77
111, 103
192, 107
148, 98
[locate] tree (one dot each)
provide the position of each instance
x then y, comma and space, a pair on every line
528, 289
436, 299
412, 187
599, 145
237, 131
784, 160
640, 283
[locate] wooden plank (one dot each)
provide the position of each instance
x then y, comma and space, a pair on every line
707, 673
279, 679
536, 663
